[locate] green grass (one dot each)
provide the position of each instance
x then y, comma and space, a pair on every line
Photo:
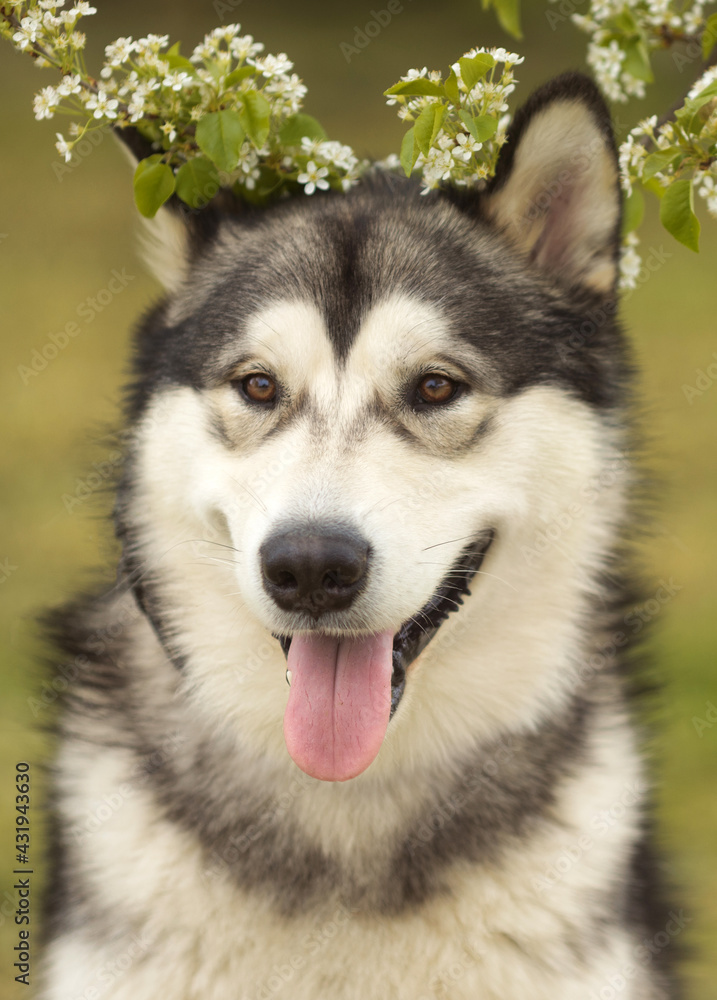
65, 237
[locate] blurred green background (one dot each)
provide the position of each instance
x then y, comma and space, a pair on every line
60, 240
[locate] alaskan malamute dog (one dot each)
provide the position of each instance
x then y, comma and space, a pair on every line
353, 723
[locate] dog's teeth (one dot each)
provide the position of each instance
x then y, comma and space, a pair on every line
288, 677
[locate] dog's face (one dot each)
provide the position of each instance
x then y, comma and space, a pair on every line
353, 413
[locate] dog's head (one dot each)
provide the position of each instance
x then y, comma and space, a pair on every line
355, 414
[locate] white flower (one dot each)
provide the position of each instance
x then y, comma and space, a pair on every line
119, 52
466, 147
251, 177
205, 50
290, 89
645, 127
273, 65
332, 152
606, 61
136, 107
314, 178
245, 47
225, 33
630, 262
63, 148
83, 9
101, 105
704, 81
392, 162
415, 74
169, 130
30, 28
150, 45
631, 157
708, 190
70, 84
310, 147
509, 58
45, 103
438, 166
175, 81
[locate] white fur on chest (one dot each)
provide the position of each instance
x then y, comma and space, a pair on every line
509, 931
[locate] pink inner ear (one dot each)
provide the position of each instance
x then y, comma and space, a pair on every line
561, 229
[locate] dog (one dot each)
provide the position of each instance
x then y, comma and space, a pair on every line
355, 720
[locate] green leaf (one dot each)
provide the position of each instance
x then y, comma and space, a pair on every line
220, 135
694, 113
637, 60
633, 211
416, 88
481, 128
695, 103
656, 162
254, 117
451, 89
300, 127
677, 214
197, 181
176, 61
508, 13
625, 23
153, 185
654, 187
428, 125
409, 152
237, 75
473, 70
709, 37
179, 62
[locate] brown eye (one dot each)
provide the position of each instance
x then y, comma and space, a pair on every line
259, 388
435, 390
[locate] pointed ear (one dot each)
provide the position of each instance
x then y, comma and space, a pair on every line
172, 239
165, 239
556, 192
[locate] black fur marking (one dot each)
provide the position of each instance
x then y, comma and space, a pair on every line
504, 792
349, 251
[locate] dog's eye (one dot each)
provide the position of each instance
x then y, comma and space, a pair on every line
436, 390
259, 388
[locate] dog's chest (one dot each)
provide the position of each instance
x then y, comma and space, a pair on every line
488, 936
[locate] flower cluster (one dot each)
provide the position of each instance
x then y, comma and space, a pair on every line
229, 115
624, 33
674, 159
226, 116
458, 125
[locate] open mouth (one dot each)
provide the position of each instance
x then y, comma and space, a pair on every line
344, 691
416, 633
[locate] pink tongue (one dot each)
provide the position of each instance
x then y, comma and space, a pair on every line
339, 704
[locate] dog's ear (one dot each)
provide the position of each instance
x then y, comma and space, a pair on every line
177, 233
556, 192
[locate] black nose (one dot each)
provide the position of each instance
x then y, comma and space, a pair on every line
314, 570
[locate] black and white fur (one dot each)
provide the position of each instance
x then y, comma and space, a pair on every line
194, 860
